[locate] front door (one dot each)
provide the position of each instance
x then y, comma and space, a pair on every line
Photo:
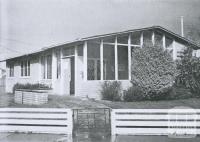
66, 75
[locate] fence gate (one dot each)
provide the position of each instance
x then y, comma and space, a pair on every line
91, 121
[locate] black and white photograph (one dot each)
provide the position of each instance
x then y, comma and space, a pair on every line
99, 70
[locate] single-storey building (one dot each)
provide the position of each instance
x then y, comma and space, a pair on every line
80, 67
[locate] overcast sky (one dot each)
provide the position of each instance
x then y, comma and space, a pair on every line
28, 25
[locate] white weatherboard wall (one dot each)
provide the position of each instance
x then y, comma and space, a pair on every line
33, 78
36, 120
150, 121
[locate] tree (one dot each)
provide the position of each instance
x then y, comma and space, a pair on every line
153, 69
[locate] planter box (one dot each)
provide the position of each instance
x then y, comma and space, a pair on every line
30, 97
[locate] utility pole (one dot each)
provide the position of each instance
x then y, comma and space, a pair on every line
182, 28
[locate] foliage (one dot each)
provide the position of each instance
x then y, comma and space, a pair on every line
134, 93
189, 76
29, 86
154, 70
111, 90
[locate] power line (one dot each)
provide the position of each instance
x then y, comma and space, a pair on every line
22, 42
10, 49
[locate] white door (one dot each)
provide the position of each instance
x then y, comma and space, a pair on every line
66, 76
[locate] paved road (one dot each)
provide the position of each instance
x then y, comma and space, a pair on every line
16, 137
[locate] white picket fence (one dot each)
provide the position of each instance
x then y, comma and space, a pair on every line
36, 120
154, 121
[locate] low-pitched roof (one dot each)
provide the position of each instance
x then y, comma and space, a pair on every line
159, 28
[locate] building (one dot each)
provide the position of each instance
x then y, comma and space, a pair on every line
80, 67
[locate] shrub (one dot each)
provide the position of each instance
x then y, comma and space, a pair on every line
29, 86
133, 93
154, 70
111, 90
189, 76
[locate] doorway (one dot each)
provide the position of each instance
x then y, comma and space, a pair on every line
68, 76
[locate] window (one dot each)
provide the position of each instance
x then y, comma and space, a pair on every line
25, 68
169, 45
43, 64
46, 66
122, 39
68, 51
122, 62
11, 70
93, 68
169, 42
158, 39
109, 65
58, 60
147, 37
80, 50
135, 38
49, 67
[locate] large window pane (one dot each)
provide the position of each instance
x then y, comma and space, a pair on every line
109, 62
147, 37
169, 46
43, 67
68, 51
11, 70
58, 60
28, 67
25, 71
122, 62
135, 38
122, 39
110, 39
25, 68
49, 67
80, 50
93, 68
169, 42
158, 39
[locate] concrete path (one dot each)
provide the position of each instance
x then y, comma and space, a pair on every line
21, 137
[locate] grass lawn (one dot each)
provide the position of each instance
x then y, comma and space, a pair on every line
192, 102
7, 100
54, 101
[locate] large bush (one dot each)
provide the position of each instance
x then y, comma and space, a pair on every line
111, 90
189, 76
154, 70
134, 93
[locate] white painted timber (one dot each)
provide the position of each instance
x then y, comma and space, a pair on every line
85, 60
101, 58
154, 121
36, 120
116, 60
141, 39
129, 57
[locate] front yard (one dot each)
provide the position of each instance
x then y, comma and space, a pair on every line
54, 101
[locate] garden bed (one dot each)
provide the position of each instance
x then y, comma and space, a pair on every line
31, 97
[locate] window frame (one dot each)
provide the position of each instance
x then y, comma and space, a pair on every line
11, 70
25, 68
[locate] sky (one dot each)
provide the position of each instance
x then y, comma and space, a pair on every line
29, 25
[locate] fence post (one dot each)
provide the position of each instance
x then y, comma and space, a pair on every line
113, 127
70, 121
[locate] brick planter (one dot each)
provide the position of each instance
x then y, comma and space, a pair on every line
31, 97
